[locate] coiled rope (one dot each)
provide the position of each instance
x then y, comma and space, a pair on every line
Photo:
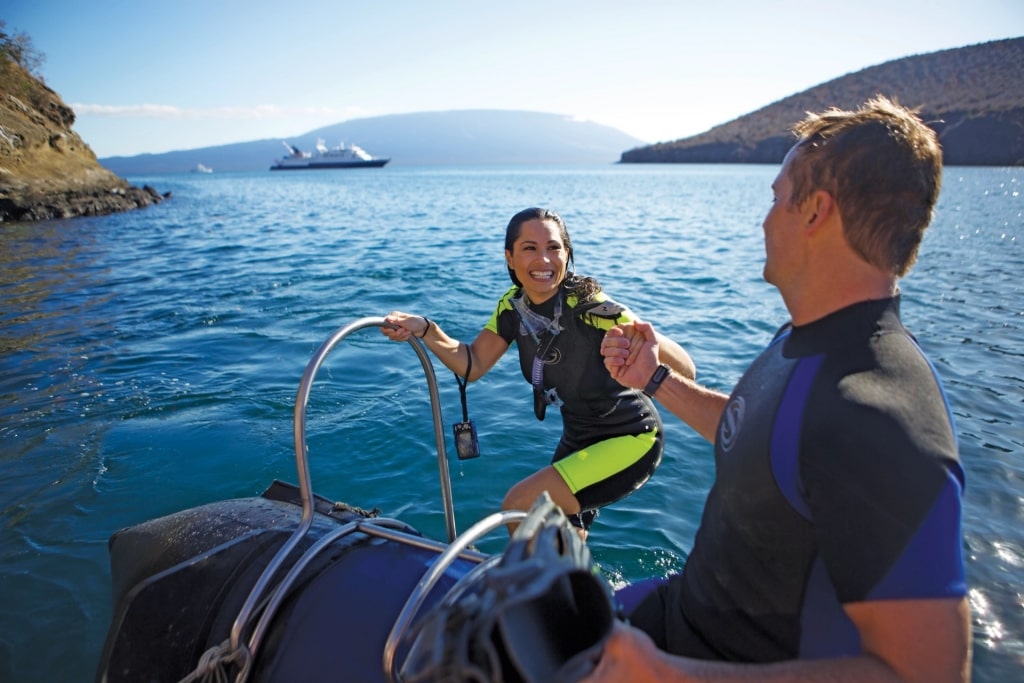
213, 666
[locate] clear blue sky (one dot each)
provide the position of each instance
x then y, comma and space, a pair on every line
146, 76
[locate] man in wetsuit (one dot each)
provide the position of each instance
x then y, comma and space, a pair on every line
830, 546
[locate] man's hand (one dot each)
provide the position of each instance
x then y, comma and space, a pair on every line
630, 353
629, 655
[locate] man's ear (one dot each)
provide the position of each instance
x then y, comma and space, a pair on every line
818, 208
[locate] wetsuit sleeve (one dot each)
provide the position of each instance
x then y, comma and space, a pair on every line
603, 312
503, 320
885, 496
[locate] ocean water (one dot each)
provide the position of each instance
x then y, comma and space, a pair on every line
149, 363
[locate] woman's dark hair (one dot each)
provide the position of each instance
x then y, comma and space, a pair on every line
584, 288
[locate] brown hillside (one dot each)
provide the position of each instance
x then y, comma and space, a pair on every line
46, 170
972, 96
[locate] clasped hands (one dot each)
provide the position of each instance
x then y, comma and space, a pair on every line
630, 353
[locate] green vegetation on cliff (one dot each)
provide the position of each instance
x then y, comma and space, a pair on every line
972, 96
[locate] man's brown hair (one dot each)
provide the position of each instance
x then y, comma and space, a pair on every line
883, 167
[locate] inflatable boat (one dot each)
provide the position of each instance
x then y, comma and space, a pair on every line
290, 586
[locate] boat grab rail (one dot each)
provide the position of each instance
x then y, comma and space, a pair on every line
305, 485
430, 578
379, 527
281, 590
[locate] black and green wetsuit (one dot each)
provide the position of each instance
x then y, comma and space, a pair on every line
612, 438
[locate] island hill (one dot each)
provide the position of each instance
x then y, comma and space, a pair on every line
46, 170
973, 97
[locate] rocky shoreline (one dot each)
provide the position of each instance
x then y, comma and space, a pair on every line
37, 204
46, 170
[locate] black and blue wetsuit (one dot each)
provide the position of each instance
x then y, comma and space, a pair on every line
612, 437
838, 481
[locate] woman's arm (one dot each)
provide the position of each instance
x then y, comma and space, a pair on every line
487, 348
675, 356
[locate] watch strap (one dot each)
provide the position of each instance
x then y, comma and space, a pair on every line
660, 373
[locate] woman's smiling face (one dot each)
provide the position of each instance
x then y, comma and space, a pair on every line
539, 258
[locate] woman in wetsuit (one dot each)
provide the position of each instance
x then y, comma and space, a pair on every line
612, 437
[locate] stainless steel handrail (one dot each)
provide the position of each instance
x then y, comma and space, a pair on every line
302, 398
419, 595
305, 484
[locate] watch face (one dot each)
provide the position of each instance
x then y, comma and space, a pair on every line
660, 373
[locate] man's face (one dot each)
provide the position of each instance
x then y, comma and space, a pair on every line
783, 230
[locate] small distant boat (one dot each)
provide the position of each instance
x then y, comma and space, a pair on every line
342, 156
202, 169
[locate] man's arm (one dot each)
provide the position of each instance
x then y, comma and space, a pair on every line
904, 641
631, 353
917, 640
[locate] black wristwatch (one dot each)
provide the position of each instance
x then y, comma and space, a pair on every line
660, 373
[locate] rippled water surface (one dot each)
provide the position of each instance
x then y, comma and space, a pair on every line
149, 363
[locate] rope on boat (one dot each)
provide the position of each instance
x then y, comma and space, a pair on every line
213, 665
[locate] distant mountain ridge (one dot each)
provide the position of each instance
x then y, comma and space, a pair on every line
973, 97
476, 136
